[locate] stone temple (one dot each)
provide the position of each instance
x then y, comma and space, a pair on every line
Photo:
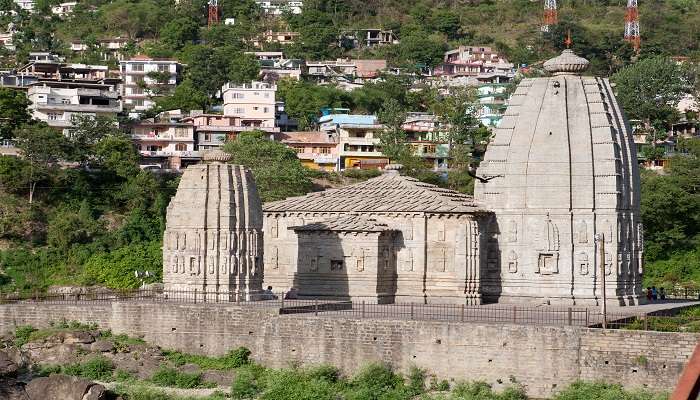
562, 168
213, 237
556, 203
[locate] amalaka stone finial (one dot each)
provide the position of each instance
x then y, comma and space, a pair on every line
392, 168
566, 63
216, 156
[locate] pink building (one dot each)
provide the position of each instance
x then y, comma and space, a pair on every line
213, 130
166, 145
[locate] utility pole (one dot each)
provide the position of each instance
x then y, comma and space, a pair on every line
600, 239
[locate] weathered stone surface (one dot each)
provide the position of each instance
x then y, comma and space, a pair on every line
102, 346
391, 237
537, 356
7, 366
11, 389
213, 238
560, 169
78, 337
63, 387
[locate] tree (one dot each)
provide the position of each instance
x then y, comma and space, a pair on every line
42, 146
651, 88
304, 101
277, 170
447, 22
116, 153
179, 32
87, 131
207, 68
392, 138
243, 68
186, 97
13, 111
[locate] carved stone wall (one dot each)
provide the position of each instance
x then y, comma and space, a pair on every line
213, 240
563, 169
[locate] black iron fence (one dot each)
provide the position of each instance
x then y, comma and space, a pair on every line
671, 319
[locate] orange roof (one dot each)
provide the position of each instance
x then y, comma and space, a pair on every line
304, 137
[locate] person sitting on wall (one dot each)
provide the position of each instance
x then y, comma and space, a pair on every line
662, 293
648, 293
268, 294
293, 293
654, 293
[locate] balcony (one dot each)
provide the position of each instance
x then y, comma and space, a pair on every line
161, 138
81, 108
170, 153
361, 154
359, 141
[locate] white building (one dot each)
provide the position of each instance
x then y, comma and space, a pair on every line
27, 5
57, 102
63, 9
277, 7
166, 145
253, 101
140, 81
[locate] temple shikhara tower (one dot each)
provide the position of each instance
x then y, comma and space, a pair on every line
213, 238
562, 168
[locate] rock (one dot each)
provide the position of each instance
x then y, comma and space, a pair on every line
78, 337
7, 366
10, 389
102, 346
63, 387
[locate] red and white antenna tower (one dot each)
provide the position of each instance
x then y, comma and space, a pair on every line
213, 13
550, 14
632, 25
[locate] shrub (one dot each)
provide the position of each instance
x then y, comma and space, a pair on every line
248, 382
46, 369
22, 334
603, 391
233, 359
374, 382
362, 173
97, 369
295, 384
171, 377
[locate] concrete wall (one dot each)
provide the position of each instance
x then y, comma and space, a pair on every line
545, 359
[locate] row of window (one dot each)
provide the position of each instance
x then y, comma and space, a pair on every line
239, 95
140, 67
314, 150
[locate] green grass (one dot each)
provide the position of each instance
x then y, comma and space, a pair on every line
144, 391
27, 333
170, 377
687, 320
233, 359
98, 368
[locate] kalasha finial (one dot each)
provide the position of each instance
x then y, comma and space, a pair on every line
566, 63
216, 156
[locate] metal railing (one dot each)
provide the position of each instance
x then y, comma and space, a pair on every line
369, 308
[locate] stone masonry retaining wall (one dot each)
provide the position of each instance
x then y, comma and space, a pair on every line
544, 359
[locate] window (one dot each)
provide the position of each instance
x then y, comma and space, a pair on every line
136, 90
138, 102
182, 132
257, 93
324, 150
65, 101
55, 116
298, 149
255, 108
163, 68
237, 95
137, 67
266, 110
207, 137
239, 110
267, 95
180, 147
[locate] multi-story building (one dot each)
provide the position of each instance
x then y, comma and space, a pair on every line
253, 102
353, 71
370, 37
279, 37
477, 62
214, 130
144, 77
315, 150
277, 7
63, 9
357, 137
57, 102
428, 139
165, 144
492, 103
109, 48
27, 5
6, 40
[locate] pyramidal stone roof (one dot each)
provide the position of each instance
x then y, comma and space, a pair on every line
389, 192
348, 223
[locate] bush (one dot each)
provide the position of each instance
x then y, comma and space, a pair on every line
171, 377
233, 359
296, 384
97, 369
603, 391
374, 382
116, 269
23, 334
248, 382
361, 173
